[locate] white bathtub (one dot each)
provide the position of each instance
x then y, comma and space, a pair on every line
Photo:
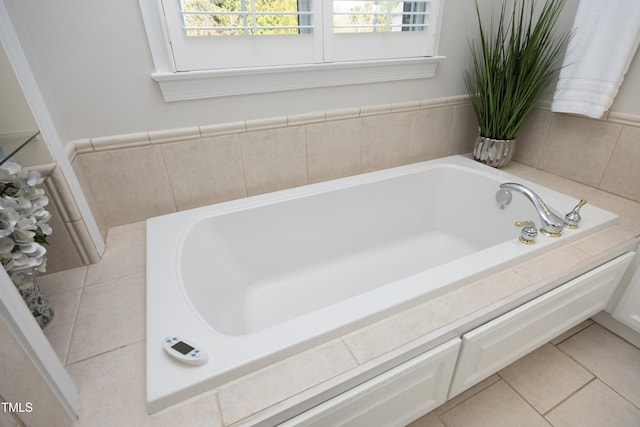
258, 279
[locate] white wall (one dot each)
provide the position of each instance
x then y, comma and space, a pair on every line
93, 60
15, 115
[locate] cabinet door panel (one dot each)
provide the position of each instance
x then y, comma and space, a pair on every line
498, 343
628, 309
394, 398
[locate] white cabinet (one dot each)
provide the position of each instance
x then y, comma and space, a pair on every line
498, 343
628, 309
394, 398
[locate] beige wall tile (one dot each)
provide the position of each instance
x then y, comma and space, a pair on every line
385, 140
125, 255
545, 377
129, 185
464, 129
622, 175
274, 159
578, 148
94, 205
57, 188
532, 136
629, 211
430, 133
61, 251
560, 184
82, 241
205, 171
596, 405
609, 357
334, 149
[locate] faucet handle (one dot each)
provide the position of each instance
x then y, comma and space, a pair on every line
529, 232
572, 219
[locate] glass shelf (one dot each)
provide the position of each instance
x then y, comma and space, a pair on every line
11, 143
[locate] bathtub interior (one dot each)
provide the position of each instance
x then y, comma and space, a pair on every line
258, 279
323, 248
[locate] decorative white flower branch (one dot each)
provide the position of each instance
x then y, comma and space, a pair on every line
23, 221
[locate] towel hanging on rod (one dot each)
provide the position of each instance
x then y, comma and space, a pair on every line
606, 35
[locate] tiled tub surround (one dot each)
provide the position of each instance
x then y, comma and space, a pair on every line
110, 375
160, 172
70, 245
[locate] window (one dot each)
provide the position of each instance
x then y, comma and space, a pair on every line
251, 37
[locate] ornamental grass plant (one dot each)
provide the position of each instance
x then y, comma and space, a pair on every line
513, 63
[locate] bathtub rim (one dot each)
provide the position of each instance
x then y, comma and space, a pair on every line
157, 401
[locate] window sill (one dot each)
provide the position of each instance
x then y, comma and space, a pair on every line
183, 86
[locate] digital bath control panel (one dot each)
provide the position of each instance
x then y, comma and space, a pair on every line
185, 351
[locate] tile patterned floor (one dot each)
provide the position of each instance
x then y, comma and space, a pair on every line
588, 377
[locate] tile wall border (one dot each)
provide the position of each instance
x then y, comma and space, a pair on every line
115, 142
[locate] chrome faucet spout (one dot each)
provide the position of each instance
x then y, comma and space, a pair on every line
552, 223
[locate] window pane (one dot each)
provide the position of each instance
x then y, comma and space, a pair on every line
245, 17
361, 16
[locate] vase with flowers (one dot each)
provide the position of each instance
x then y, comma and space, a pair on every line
23, 231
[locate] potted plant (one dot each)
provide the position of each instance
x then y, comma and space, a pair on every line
23, 229
512, 64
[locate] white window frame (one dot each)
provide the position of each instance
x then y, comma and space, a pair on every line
185, 85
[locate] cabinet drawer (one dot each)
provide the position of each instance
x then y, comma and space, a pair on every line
394, 398
628, 309
498, 343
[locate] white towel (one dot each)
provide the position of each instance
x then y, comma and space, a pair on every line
606, 36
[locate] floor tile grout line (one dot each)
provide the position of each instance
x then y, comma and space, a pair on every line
576, 332
522, 397
595, 378
113, 279
617, 392
469, 397
75, 319
111, 350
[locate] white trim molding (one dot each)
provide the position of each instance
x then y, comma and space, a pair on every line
29, 84
186, 85
182, 86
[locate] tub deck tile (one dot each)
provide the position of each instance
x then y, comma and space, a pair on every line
266, 387
111, 384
